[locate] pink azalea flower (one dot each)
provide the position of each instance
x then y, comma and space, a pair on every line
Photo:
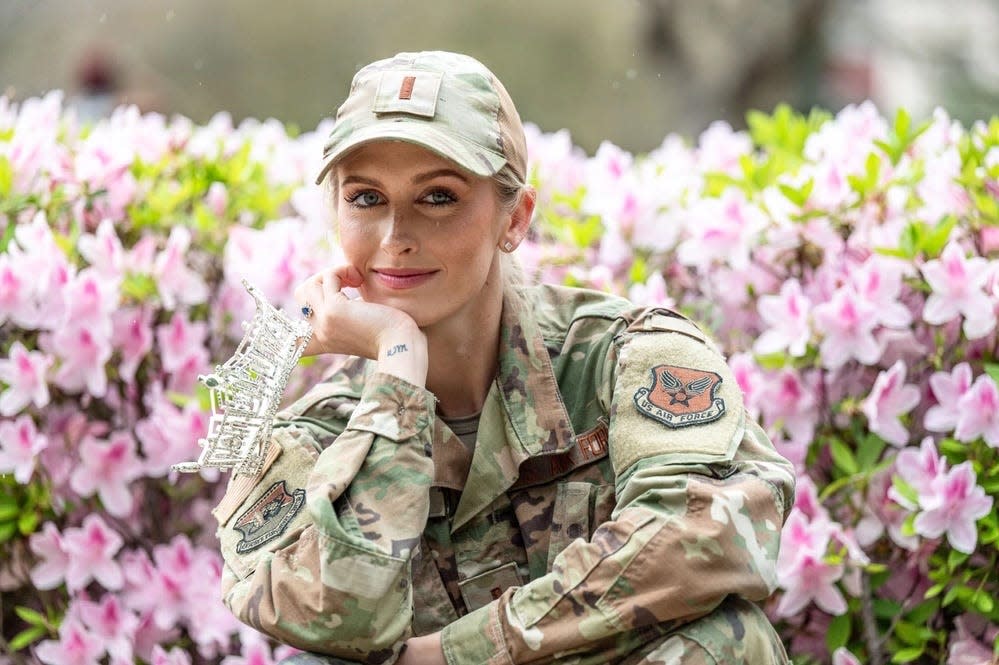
723, 229
948, 389
84, 352
879, 282
652, 293
720, 148
918, 468
90, 299
882, 512
955, 503
786, 317
789, 401
176, 656
24, 371
182, 350
48, 544
177, 283
890, 398
75, 646
217, 198
970, 643
108, 468
20, 442
957, 284
847, 322
254, 653
91, 549
843, 656
978, 412
183, 579
750, 379
170, 434
554, 160
111, 622
132, 336
104, 251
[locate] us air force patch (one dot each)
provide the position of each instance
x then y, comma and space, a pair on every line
674, 395
268, 517
681, 397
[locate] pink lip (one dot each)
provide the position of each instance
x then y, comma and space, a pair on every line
403, 278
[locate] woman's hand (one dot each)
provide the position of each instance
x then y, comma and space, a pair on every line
358, 328
423, 650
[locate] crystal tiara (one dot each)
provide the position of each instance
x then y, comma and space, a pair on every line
246, 390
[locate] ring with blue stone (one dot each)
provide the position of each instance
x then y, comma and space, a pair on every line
306, 310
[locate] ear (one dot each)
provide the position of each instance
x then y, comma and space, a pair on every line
520, 217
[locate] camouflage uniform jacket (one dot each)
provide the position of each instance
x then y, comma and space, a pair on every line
616, 491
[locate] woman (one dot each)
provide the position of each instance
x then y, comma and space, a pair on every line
497, 473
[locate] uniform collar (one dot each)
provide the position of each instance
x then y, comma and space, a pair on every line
523, 416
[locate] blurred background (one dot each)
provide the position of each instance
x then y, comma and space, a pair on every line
628, 71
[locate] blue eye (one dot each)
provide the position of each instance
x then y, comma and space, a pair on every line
364, 199
440, 197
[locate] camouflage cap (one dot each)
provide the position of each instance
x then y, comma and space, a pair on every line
446, 102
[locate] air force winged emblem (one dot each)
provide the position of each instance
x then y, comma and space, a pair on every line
680, 396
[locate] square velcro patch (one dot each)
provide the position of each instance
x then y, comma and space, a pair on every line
408, 91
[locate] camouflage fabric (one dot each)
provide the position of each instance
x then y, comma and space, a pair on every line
446, 102
618, 506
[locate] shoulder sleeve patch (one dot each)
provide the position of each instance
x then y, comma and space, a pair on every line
673, 395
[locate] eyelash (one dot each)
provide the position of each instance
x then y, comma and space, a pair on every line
451, 198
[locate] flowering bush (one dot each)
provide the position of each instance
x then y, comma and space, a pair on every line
847, 264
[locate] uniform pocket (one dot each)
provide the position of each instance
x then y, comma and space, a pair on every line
486, 587
570, 516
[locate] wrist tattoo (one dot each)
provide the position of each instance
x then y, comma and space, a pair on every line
398, 348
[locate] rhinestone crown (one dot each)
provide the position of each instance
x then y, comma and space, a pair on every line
246, 390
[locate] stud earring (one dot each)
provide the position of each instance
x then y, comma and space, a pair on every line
508, 246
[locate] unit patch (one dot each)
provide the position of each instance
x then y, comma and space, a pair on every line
680, 396
268, 517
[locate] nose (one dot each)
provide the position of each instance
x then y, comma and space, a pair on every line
398, 237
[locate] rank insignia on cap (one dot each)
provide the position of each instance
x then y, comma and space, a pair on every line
268, 517
680, 396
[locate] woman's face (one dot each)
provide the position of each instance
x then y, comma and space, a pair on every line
422, 232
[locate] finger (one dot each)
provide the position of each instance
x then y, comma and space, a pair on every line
349, 276
331, 287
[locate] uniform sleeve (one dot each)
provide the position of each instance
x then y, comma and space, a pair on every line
317, 554
701, 498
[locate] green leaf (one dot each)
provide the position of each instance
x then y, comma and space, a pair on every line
26, 637
7, 531
843, 457
934, 241
912, 634
9, 509
955, 559
869, 451
992, 369
907, 491
984, 602
838, 633
6, 176
908, 654
935, 590
922, 612
30, 616
138, 286
27, 523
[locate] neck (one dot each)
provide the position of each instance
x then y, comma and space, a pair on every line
463, 353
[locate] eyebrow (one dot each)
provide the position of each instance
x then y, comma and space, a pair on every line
430, 175
422, 177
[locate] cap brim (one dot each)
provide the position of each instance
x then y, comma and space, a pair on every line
469, 156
